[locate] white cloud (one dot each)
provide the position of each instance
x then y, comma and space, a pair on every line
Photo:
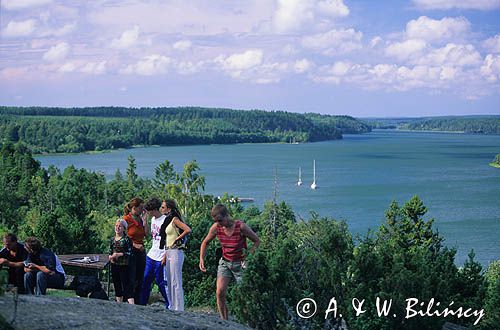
65, 29
182, 45
492, 44
459, 4
375, 41
301, 66
334, 42
200, 18
242, 61
57, 53
20, 29
333, 8
463, 81
150, 65
15, 74
429, 29
94, 68
67, 67
491, 68
406, 49
187, 67
341, 68
249, 66
128, 39
23, 4
448, 73
293, 15
451, 55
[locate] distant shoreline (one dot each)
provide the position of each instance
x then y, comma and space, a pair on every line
105, 151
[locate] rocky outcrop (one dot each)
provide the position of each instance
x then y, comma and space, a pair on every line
45, 312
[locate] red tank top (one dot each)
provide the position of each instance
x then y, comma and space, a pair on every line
232, 246
136, 230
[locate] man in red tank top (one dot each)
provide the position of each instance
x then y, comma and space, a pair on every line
232, 235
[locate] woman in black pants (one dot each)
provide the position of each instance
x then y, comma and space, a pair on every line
120, 250
137, 229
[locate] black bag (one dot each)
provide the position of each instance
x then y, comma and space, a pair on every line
88, 286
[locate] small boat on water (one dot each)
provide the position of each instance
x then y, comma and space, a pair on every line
299, 183
314, 185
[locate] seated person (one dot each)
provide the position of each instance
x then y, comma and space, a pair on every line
12, 255
42, 269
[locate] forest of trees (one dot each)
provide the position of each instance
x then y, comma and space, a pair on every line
103, 128
463, 124
74, 210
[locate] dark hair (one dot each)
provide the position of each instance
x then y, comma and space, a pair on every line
11, 236
152, 204
134, 202
219, 211
33, 243
173, 207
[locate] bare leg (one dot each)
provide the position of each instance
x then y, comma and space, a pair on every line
119, 299
222, 283
131, 301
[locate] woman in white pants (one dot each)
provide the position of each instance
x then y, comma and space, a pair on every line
173, 231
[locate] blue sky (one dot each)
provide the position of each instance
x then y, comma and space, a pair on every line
360, 58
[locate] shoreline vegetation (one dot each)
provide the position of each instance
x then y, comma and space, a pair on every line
484, 124
75, 130
496, 162
317, 258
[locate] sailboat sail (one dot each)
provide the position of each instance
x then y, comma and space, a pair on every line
314, 185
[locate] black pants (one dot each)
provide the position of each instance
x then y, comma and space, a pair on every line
16, 278
121, 281
137, 266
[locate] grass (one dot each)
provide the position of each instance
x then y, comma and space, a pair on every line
61, 293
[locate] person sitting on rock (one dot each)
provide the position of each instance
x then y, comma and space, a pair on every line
42, 267
13, 255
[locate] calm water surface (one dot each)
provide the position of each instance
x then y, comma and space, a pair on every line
358, 177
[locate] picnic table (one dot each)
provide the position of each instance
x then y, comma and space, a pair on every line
97, 262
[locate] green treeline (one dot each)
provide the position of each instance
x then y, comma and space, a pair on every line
74, 210
103, 128
465, 124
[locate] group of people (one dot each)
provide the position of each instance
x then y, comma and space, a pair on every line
133, 271
33, 268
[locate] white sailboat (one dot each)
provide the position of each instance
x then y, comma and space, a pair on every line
299, 183
314, 185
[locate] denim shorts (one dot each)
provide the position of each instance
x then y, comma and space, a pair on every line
230, 269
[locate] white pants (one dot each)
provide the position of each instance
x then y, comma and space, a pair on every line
173, 275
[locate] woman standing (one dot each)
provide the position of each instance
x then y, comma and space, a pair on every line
120, 249
137, 226
171, 239
154, 268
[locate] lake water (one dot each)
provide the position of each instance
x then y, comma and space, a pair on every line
357, 177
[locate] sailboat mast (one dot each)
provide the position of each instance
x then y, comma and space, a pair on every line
313, 185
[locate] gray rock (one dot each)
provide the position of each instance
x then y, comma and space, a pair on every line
45, 312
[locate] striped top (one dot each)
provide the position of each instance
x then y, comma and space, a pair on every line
232, 246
